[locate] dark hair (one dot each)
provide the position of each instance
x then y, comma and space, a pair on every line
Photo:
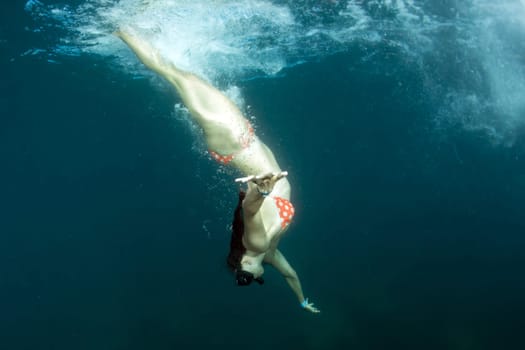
245, 278
237, 249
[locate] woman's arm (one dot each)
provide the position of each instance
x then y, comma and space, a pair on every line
277, 260
253, 200
259, 187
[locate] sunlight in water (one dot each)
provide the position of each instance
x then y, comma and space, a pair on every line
227, 41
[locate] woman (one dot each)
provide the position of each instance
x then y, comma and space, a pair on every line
264, 211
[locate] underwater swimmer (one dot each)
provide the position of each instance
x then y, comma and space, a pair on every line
264, 210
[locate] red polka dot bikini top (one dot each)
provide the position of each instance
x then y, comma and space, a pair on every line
286, 210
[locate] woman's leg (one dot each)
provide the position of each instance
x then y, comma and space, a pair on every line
226, 130
222, 122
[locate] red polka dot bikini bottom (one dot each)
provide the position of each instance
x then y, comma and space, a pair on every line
245, 141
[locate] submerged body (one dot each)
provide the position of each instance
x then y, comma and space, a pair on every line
266, 207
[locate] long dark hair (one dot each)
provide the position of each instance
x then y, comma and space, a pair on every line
237, 249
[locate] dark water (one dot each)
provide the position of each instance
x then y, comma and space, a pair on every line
113, 230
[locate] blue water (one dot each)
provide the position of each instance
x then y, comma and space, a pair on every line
405, 150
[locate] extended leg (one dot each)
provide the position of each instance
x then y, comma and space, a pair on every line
226, 130
222, 122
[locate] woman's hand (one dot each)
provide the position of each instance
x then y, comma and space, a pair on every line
264, 182
309, 306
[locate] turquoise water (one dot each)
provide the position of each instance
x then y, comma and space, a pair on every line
400, 123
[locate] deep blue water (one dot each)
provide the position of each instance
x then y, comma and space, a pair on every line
114, 229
